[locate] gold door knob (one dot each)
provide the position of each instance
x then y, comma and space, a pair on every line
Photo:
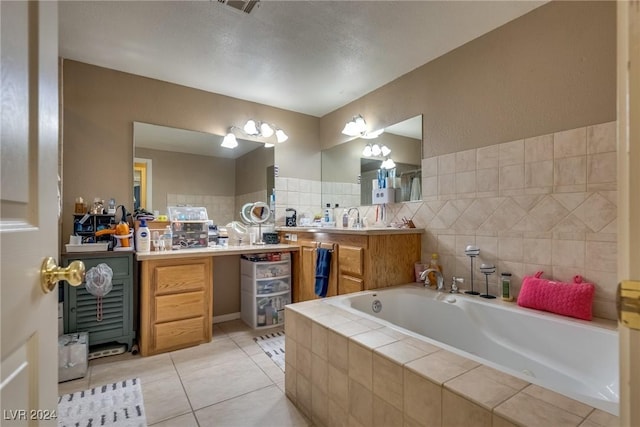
50, 274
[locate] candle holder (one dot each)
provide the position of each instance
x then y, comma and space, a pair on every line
472, 252
487, 270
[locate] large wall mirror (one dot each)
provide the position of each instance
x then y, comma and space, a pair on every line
184, 167
347, 173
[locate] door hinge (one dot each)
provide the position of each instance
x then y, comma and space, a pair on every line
628, 303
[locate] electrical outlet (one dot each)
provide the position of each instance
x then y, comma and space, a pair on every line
294, 237
287, 236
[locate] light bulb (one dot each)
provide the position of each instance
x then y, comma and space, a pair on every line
268, 145
361, 125
376, 150
250, 128
367, 150
229, 141
281, 136
266, 130
385, 150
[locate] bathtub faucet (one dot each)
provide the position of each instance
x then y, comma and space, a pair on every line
439, 278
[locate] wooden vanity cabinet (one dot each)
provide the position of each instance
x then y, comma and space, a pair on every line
305, 270
175, 303
359, 261
351, 269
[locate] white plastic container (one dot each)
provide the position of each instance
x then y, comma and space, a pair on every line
143, 237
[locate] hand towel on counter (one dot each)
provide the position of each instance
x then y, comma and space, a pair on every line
323, 267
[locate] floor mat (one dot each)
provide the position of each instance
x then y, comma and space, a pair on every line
118, 405
273, 346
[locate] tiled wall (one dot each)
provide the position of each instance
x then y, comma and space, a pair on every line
303, 195
544, 203
345, 194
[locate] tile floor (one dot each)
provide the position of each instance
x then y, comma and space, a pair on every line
227, 382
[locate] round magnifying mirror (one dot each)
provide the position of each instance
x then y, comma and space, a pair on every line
245, 213
260, 212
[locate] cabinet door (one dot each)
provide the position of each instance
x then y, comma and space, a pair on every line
82, 311
308, 257
307, 272
351, 260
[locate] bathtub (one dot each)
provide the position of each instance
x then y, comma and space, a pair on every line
576, 358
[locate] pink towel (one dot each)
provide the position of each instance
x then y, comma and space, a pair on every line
569, 299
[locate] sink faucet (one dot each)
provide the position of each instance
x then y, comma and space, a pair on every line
439, 278
356, 224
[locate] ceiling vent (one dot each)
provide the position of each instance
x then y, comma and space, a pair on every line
243, 6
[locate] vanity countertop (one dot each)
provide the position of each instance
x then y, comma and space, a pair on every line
363, 231
215, 251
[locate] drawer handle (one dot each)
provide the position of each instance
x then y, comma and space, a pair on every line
51, 274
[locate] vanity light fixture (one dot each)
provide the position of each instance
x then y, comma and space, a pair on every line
255, 129
358, 127
375, 150
388, 164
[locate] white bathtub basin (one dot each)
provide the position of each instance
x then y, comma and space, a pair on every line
576, 358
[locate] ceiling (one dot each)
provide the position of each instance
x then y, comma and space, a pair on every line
306, 56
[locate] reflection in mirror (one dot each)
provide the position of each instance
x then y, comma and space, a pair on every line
190, 168
348, 174
260, 212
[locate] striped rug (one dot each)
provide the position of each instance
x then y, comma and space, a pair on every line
273, 346
117, 405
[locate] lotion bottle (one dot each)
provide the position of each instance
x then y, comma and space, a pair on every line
143, 237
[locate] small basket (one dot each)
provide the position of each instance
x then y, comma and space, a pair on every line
271, 238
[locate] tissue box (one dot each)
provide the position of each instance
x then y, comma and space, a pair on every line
73, 351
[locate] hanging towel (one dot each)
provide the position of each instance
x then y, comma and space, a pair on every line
323, 266
416, 193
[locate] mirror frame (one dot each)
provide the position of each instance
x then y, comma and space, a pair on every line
265, 212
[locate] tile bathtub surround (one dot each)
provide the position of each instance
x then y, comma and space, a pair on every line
546, 203
374, 375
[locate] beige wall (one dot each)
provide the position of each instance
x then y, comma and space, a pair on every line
549, 70
251, 171
100, 106
182, 173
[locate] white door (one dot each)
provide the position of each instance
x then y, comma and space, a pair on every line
629, 197
29, 211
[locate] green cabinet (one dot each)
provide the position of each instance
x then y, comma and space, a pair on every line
118, 306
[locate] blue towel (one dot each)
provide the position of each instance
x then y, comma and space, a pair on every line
323, 266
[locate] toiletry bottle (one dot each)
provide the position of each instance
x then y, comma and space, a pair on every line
435, 264
168, 238
262, 316
328, 213
345, 218
505, 280
272, 201
143, 237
